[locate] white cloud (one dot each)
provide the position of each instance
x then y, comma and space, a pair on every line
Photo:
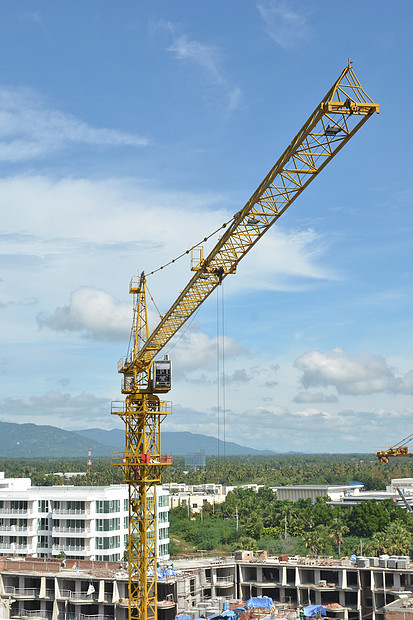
29, 129
59, 409
294, 259
92, 312
314, 397
351, 374
196, 350
287, 26
206, 58
305, 430
73, 232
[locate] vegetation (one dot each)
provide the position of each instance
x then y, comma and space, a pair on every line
287, 469
278, 470
258, 520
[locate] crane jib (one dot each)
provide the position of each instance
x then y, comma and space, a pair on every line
341, 113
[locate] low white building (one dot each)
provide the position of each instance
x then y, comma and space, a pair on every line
304, 491
83, 522
196, 495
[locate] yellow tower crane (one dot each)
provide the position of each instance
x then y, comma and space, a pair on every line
341, 113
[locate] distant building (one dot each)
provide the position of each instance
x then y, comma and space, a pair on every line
195, 459
84, 523
304, 491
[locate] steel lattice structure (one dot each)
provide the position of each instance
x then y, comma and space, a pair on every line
341, 113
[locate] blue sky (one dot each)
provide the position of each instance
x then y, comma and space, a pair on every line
128, 132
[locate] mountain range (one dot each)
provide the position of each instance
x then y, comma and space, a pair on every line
41, 441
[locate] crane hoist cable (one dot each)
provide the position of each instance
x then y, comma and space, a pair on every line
340, 114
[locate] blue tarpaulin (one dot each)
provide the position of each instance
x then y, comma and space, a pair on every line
260, 602
228, 614
312, 610
182, 617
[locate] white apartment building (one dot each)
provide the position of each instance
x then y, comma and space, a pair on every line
84, 523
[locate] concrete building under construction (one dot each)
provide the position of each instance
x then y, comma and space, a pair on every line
45, 589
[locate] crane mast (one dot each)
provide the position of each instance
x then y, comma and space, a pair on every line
340, 114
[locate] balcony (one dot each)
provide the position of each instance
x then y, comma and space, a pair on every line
225, 581
71, 550
83, 597
71, 512
24, 592
13, 548
95, 617
12, 512
72, 531
33, 613
12, 529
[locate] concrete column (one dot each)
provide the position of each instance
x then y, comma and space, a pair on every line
343, 579
297, 577
284, 575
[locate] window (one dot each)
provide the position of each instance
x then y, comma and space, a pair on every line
125, 522
75, 524
163, 532
43, 541
108, 558
75, 505
43, 505
75, 542
17, 504
108, 506
107, 525
111, 542
43, 524
163, 501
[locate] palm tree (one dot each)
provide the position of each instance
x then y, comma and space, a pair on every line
398, 538
316, 539
338, 529
287, 511
378, 544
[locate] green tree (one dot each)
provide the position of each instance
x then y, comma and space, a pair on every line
397, 538
338, 528
317, 540
246, 542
